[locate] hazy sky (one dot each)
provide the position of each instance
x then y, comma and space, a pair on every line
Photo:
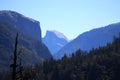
71, 17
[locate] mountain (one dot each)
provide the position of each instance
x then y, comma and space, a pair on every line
24, 24
54, 40
31, 47
91, 39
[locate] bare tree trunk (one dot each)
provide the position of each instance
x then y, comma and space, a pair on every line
14, 64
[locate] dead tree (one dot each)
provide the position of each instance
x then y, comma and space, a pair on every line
16, 67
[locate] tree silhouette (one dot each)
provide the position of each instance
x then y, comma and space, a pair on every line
16, 66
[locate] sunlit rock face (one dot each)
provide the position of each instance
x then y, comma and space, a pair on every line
22, 23
54, 40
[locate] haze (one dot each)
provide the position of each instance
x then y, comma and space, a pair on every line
71, 17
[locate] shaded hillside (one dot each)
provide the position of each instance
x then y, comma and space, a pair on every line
32, 50
91, 39
54, 40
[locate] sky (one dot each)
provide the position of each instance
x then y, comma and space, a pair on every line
71, 17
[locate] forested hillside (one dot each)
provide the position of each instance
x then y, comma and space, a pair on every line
99, 64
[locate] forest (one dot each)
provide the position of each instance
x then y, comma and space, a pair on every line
102, 63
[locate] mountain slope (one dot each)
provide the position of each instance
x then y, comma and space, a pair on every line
91, 39
32, 49
54, 41
22, 23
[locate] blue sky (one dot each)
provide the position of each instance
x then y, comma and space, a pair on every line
71, 17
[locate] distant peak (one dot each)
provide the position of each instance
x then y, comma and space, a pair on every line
57, 33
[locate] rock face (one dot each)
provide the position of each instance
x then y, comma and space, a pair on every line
91, 39
32, 49
22, 23
54, 41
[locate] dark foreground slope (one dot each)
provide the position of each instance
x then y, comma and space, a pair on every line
99, 64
